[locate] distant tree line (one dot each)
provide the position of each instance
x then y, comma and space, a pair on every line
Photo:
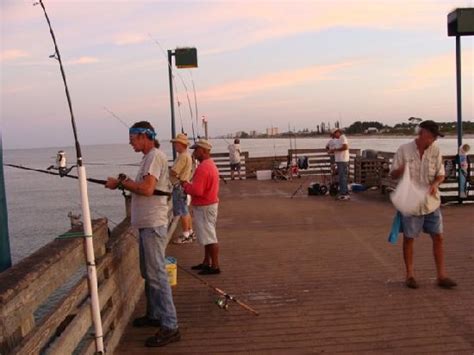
361, 127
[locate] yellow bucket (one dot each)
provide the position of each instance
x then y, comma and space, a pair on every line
172, 270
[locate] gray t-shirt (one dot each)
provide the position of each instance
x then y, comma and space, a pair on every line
151, 211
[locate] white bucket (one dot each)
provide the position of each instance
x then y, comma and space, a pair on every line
264, 174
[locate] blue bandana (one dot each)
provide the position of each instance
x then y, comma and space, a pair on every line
146, 131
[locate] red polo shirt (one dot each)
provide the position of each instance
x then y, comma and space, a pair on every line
204, 188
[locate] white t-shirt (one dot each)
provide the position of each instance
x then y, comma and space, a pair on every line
234, 153
344, 155
332, 143
151, 211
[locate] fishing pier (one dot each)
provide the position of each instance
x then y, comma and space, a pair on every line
320, 273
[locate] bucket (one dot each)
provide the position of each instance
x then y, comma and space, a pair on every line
172, 270
264, 174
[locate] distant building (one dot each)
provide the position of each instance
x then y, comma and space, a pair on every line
273, 131
238, 134
372, 130
253, 134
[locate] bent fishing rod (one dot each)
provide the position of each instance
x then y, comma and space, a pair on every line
95, 181
87, 224
222, 303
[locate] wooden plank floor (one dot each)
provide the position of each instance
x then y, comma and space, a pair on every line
324, 279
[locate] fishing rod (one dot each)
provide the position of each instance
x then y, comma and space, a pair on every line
226, 298
89, 244
95, 181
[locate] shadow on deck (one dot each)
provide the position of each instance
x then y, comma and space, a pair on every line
323, 277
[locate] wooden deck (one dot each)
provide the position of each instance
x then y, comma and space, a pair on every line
323, 278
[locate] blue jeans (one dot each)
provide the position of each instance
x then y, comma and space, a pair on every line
342, 171
152, 246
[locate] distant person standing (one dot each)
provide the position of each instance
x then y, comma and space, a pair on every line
423, 159
149, 214
204, 190
341, 157
182, 171
234, 157
330, 146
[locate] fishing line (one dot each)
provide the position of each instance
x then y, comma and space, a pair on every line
116, 117
195, 102
182, 81
179, 105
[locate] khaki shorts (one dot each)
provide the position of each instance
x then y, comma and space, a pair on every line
204, 223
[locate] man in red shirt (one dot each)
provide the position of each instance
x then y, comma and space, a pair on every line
204, 190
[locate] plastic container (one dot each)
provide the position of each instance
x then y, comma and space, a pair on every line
358, 187
172, 270
264, 174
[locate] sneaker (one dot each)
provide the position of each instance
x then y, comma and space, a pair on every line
192, 236
144, 321
446, 283
163, 337
210, 271
200, 267
343, 198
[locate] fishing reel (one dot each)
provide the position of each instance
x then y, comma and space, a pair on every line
223, 303
61, 164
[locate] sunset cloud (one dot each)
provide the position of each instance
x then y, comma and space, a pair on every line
239, 89
84, 60
130, 38
13, 54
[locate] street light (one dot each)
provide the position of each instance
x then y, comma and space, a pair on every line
184, 58
460, 23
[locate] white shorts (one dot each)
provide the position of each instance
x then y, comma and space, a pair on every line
204, 223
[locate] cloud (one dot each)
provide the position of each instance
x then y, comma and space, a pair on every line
130, 38
433, 71
13, 54
239, 89
84, 60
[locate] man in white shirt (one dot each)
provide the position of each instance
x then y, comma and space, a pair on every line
423, 159
234, 157
341, 156
149, 214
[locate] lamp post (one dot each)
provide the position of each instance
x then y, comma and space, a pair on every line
204, 123
5, 256
460, 23
184, 58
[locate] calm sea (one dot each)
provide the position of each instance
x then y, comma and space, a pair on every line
38, 204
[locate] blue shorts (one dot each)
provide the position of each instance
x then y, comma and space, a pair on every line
180, 206
431, 224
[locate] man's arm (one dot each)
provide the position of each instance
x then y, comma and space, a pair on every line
196, 188
435, 184
144, 188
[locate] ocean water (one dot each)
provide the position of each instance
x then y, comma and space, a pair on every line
38, 204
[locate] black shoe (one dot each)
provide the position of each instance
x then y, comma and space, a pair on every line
411, 283
447, 283
200, 267
144, 321
163, 337
209, 271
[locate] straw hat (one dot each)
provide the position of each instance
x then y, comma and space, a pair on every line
181, 138
203, 144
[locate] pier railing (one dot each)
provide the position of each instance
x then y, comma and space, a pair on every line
55, 276
319, 162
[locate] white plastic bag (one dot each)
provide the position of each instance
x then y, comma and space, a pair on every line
408, 197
